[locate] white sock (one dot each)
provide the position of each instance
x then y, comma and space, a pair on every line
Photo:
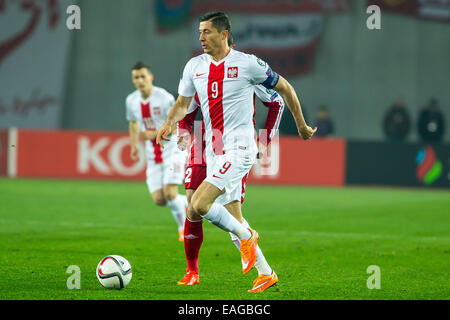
261, 263
178, 208
222, 218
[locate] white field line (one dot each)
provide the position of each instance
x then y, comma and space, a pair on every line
357, 235
341, 235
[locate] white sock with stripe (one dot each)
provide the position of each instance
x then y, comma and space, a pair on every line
178, 207
261, 263
222, 218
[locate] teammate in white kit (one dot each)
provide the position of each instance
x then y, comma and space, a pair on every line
146, 110
223, 79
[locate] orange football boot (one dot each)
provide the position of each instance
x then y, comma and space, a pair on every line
263, 282
181, 235
190, 278
248, 251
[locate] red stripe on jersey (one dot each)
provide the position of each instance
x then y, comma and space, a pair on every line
274, 115
145, 110
198, 146
196, 98
157, 151
215, 98
244, 185
197, 152
188, 121
254, 109
146, 114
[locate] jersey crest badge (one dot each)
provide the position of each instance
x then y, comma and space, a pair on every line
261, 62
232, 72
156, 111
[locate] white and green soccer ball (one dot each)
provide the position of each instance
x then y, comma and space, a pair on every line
114, 272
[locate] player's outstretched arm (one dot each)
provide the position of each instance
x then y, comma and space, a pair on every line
147, 135
291, 99
133, 129
176, 114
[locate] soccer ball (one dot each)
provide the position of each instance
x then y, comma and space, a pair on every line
114, 272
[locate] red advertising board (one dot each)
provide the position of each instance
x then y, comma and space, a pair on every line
105, 155
319, 161
72, 154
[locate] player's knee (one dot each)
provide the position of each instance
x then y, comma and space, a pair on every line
170, 196
159, 201
200, 207
192, 215
158, 198
170, 192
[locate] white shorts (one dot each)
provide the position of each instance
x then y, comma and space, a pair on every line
170, 171
227, 172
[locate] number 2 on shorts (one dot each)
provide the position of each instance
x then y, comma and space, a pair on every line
187, 178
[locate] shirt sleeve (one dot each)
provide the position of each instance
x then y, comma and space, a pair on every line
275, 103
186, 87
129, 112
188, 121
264, 94
261, 73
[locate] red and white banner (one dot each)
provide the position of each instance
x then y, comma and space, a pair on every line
105, 155
428, 9
172, 14
270, 6
286, 42
34, 47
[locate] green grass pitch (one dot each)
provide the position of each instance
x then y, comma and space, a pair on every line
320, 242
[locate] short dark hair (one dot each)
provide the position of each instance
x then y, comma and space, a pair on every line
219, 20
230, 39
140, 65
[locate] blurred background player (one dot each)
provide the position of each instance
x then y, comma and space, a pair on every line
431, 122
324, 124
146, 110
223, 79
196, 173
397, 121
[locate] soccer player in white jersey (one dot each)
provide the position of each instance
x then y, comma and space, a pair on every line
223, 79
196, 173
146, 110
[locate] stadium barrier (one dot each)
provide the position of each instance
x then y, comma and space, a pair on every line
105, 155
3, 152
292, 161
75, 154
398, 164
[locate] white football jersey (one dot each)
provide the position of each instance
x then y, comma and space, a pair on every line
151, 114
263, 94
225, 90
